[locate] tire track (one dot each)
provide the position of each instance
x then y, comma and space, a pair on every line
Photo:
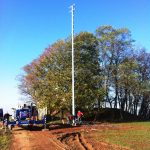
75, 141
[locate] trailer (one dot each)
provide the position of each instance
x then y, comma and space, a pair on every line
26, 116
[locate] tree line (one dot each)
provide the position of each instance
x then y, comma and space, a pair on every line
110, 71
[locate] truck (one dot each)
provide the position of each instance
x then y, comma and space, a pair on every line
26, 116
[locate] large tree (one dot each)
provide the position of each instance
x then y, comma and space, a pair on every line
88, 86
114, 45
48, 79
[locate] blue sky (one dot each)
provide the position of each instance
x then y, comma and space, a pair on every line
27, 27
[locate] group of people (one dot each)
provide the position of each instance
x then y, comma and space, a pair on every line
77, 119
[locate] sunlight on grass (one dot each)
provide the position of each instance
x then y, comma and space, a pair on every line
129, 138
134, 136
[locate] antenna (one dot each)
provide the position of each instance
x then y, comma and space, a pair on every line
73, 100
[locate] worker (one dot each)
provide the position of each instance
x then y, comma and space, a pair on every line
6, 119
79, 116
35, 114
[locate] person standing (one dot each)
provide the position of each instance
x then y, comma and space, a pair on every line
6, 119
69, 118
79, 116
35, 114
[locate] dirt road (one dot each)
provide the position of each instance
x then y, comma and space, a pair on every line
67, 138
34, 140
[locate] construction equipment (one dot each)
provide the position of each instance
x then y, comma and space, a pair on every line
26, 116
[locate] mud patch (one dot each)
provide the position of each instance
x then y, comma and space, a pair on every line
75, 141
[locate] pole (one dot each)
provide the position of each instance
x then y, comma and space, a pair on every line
73, 100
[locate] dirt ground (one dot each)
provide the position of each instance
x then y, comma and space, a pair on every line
60, 138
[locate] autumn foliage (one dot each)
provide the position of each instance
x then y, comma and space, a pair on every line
109, 72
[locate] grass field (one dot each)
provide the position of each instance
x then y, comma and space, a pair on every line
134, 136
5, 139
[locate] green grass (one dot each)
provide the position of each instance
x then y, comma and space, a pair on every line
5, 139
134, 136
142, 124
131, 139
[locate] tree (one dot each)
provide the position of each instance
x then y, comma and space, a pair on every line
87, 71
143, 60
114, 45
128, 83
48, 79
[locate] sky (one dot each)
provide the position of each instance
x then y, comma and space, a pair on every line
27, 27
